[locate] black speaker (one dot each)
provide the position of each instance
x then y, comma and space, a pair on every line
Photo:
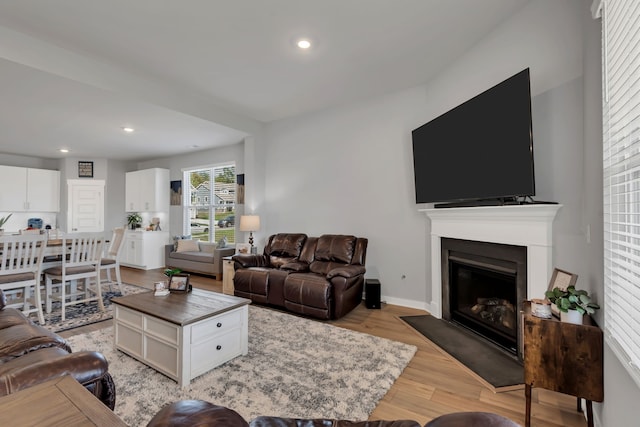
372, 293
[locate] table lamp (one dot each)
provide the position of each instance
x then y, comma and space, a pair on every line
250, 223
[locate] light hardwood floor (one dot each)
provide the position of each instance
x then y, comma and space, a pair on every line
431, 385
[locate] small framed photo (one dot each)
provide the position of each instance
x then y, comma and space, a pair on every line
562, 279
243, 248
85, 169
179, 283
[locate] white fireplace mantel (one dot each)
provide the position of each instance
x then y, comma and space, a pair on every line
522, 225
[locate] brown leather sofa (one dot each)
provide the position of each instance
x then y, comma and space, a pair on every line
198, 413
31, 354
321, 277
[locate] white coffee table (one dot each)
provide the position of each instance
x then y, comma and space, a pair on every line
181, 335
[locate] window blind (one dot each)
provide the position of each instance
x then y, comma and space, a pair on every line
621, 163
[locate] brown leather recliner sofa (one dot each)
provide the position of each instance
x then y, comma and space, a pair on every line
321, 277
199, 413
31, 354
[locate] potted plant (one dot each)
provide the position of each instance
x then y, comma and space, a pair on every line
3, 221
134, 220
573, 303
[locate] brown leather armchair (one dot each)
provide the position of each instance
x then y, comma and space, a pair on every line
321, 277
31, 354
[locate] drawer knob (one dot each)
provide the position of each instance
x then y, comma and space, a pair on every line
218, 347
219, 325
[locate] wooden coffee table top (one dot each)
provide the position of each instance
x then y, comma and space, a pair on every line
61, 402
181, 308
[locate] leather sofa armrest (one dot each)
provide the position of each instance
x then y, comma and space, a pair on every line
249, 260
297, 266
85, 367
347, 271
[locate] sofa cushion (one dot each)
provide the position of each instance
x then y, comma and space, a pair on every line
196, 256
286, 245
337, 248
187, 246
208, 247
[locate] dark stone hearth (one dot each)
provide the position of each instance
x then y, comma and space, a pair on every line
486, 360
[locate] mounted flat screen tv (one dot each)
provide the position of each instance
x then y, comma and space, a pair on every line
480, 152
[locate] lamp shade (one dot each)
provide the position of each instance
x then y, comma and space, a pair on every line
249, 223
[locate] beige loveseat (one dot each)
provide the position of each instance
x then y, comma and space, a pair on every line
193, 256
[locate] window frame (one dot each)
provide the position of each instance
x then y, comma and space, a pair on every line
209, 201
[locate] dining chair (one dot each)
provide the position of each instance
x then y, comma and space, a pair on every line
81, 256
20, 271
112, 259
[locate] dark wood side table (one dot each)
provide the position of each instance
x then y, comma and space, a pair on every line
563, 357
60, 401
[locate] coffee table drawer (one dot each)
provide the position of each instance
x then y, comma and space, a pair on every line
215, 351
161, 329
216, 325
126, 315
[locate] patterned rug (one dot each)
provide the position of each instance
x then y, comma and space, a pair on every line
296, 367
85, 313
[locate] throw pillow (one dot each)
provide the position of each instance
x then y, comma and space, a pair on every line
188, 246
176, 238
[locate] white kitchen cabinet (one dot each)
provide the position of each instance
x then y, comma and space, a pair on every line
29, 190
147, 190
144, 249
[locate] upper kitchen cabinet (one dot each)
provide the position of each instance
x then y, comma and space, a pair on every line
29, 190
147, 190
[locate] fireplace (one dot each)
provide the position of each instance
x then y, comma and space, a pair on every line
527, 226
483, 284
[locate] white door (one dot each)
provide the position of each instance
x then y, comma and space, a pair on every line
86, 206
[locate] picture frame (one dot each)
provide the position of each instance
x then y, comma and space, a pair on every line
243, 248
561, 279
179, 283
175, 193
85, 169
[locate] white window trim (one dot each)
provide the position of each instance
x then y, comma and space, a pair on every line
621, 172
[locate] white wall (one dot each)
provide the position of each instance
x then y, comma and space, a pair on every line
350, 170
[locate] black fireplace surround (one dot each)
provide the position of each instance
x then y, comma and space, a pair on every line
483, 286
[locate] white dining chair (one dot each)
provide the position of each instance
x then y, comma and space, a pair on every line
112, 259
81, 256
20, 271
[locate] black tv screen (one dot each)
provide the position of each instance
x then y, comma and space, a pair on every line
479, 150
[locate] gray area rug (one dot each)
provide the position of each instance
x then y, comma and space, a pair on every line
85, 313
296, 367
491, 364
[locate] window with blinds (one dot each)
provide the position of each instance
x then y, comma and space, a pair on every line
621, 162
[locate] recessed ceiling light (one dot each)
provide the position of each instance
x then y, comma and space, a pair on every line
303, 44
128, 129
63, 150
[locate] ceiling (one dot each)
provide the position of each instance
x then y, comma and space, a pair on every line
196, 74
